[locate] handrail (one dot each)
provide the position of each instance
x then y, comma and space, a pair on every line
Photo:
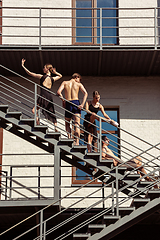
86, 209
149, 174
149, 36
152, 184
80, 117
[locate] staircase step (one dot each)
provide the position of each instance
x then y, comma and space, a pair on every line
143, 184
120, 170
93, 155
154, 193
66, 141
79, 148
41, 128
55, 135
3, 108
109, 219
95, 228
29, 122
16, 115
132, 177
139, 202
108, 163
123, 211
81, 236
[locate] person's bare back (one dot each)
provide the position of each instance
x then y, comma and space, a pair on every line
71, 89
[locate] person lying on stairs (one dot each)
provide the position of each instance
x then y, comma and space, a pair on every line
134, 163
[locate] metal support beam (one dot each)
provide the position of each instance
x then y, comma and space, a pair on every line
57, 170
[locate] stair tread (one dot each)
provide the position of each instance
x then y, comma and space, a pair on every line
66, 139
53, 133
8, 113
96, 225
41, 126
93, 154
26, 119
80, 146
81, 234
110, 217
141, 200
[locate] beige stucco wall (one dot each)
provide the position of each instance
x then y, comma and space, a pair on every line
138, 101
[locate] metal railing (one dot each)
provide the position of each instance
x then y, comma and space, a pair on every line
45, 27
117, 202
24, 100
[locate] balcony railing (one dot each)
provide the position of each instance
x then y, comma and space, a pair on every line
62, 27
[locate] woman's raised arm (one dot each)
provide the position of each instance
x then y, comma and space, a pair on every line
30, 73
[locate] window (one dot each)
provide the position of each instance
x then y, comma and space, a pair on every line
80, 177
86, 21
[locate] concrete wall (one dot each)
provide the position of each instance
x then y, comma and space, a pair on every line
136, 27
138, 101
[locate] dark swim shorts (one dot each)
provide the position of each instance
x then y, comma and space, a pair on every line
72, 108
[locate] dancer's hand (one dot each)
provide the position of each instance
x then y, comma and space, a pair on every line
54, 70
23, 61
80, 106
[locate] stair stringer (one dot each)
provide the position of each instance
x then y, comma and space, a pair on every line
16, 126
127, 221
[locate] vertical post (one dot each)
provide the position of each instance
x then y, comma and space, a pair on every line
39, 179
103, 194
100, 28
155, 28
35, 104
113, 213
44, 231
6, 186
117, 206
100, 139
57, 176
40, 27
41, 225
10, 178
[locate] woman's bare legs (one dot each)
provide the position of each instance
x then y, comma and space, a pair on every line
89, 145
37, 118
142, 171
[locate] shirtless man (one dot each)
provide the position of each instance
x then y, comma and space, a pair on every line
136, 162
71, 90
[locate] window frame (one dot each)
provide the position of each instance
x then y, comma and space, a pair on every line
94, 24
96, 182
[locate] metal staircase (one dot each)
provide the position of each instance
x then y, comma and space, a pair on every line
141, 195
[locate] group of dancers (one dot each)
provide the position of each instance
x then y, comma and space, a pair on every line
71, 103
73, 108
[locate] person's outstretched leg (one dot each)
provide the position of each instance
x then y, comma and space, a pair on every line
89, 145
77, 128
142, 171
37, 118
67, 125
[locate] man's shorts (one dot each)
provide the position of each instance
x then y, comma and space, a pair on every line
72, 108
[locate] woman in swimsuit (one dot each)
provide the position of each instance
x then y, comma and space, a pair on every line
93, 107
46, 81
